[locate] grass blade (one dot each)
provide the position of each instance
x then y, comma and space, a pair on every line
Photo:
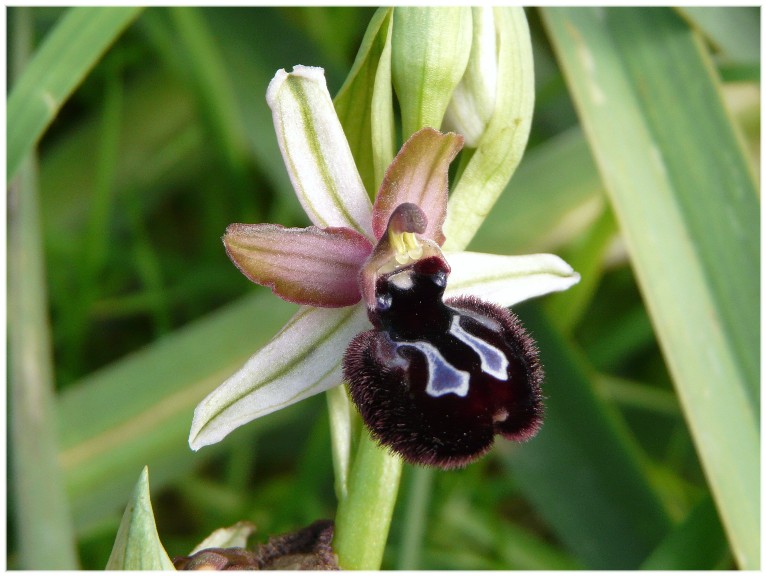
415, 518
56, 69
217, 98
46, 537
686, 201
734, 30
139, 409
584, 472
698, 543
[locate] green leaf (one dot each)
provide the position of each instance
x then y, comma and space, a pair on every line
215, 93
480, 530
583, 472
734, 30
419, 491
365, 103
60, 64
138, 546
44, 530
698, 543
686, 201
139, 408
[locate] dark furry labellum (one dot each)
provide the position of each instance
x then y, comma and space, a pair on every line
436, 380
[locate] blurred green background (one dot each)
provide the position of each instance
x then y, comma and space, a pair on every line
167, 141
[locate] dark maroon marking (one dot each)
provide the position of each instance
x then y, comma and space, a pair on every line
388, 378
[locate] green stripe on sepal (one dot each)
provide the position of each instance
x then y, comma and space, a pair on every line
315, 150
302, 360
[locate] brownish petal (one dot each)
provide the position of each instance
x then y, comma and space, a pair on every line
418, 175
313, 266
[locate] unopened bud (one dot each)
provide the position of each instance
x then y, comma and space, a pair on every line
473, 101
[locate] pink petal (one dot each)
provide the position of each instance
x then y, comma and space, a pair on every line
418, 174
314, 266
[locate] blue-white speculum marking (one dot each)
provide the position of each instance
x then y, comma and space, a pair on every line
435, 380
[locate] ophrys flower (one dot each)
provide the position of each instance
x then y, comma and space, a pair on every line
340, 268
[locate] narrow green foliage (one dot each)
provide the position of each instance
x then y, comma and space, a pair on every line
44, 527
584, 465
697, 543
132, 420
56, 69
415, 518
686, 201
734, 31
216, 96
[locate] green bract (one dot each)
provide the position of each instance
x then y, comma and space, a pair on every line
138, 546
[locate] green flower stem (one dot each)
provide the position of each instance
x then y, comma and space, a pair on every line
364, 516
57, 68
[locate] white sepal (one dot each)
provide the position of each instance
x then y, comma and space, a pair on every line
302, 360
507, 280
316, 152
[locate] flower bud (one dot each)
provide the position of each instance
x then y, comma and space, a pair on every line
504, 137
473, 101
430, 48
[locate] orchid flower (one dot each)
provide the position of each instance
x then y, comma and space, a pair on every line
335, 267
